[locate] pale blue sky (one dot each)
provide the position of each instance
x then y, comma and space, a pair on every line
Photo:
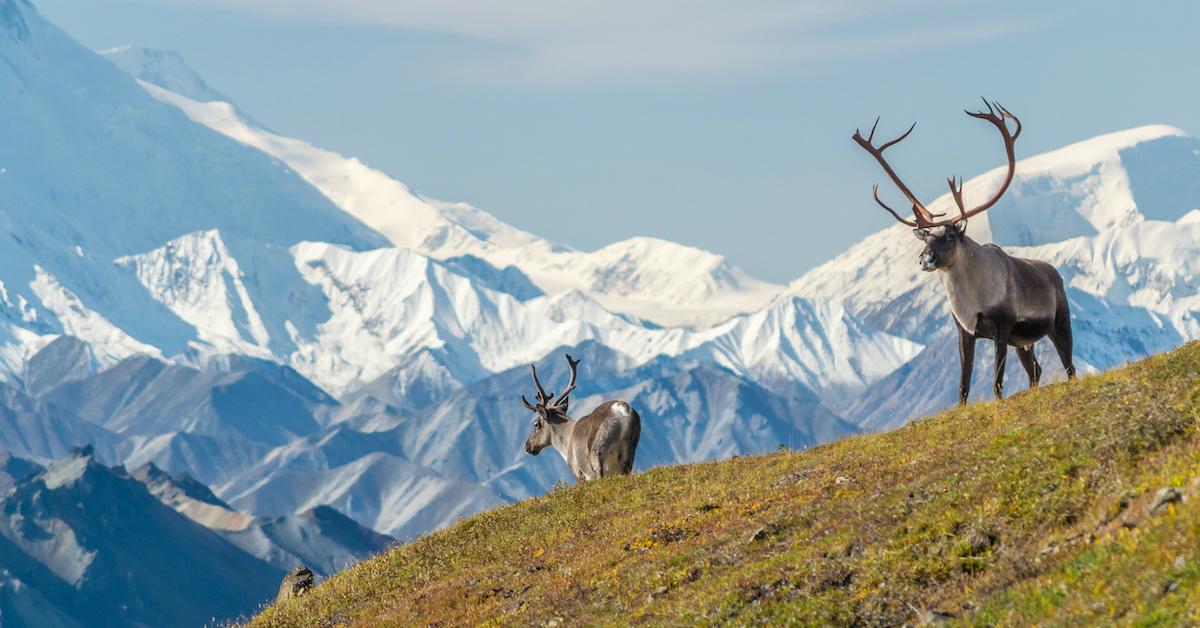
724, 125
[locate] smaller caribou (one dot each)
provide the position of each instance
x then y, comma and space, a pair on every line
600, 444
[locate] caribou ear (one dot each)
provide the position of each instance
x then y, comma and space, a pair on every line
921, 234
534, 407
557, 414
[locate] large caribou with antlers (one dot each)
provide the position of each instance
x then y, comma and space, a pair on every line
600, 444
1010, 300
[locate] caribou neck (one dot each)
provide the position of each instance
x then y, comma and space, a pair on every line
560, 436
966, 263
968, 283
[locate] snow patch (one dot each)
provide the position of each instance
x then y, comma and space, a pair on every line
199, 280
110, 343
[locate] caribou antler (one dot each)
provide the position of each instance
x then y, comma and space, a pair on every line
1010, 143
544, 400
925, 219
542, 397
574, 364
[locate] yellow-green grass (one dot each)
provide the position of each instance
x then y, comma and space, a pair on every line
1033, 510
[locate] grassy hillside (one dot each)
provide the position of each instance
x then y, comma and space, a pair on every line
1033, 510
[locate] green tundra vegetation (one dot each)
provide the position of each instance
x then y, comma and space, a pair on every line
1039, 509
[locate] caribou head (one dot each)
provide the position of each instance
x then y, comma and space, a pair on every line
941, 249
550, 413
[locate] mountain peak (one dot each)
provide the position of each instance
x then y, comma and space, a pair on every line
69, 468
1143, 133
666, 251
1087, 153
164, 68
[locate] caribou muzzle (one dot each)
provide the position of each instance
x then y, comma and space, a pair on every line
928, 261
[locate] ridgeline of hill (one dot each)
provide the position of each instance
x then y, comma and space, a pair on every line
1035, 510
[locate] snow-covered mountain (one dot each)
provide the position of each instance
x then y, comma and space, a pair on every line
387, 305
1116, 214
93, 170
392, 303
1080, 207
647, 278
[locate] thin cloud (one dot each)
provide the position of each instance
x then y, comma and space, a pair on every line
582, 41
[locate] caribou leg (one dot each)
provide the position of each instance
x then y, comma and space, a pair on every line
966, 360
1029, 361
627, 462
1001, 356
1061, 337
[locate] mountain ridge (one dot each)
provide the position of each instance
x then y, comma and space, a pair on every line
660, 282
125, 531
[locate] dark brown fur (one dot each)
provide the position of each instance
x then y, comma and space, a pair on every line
1010, 300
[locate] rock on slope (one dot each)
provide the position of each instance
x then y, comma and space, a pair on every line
14, 470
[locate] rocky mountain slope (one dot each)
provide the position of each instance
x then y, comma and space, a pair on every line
93, 563
83, 544
320, 538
